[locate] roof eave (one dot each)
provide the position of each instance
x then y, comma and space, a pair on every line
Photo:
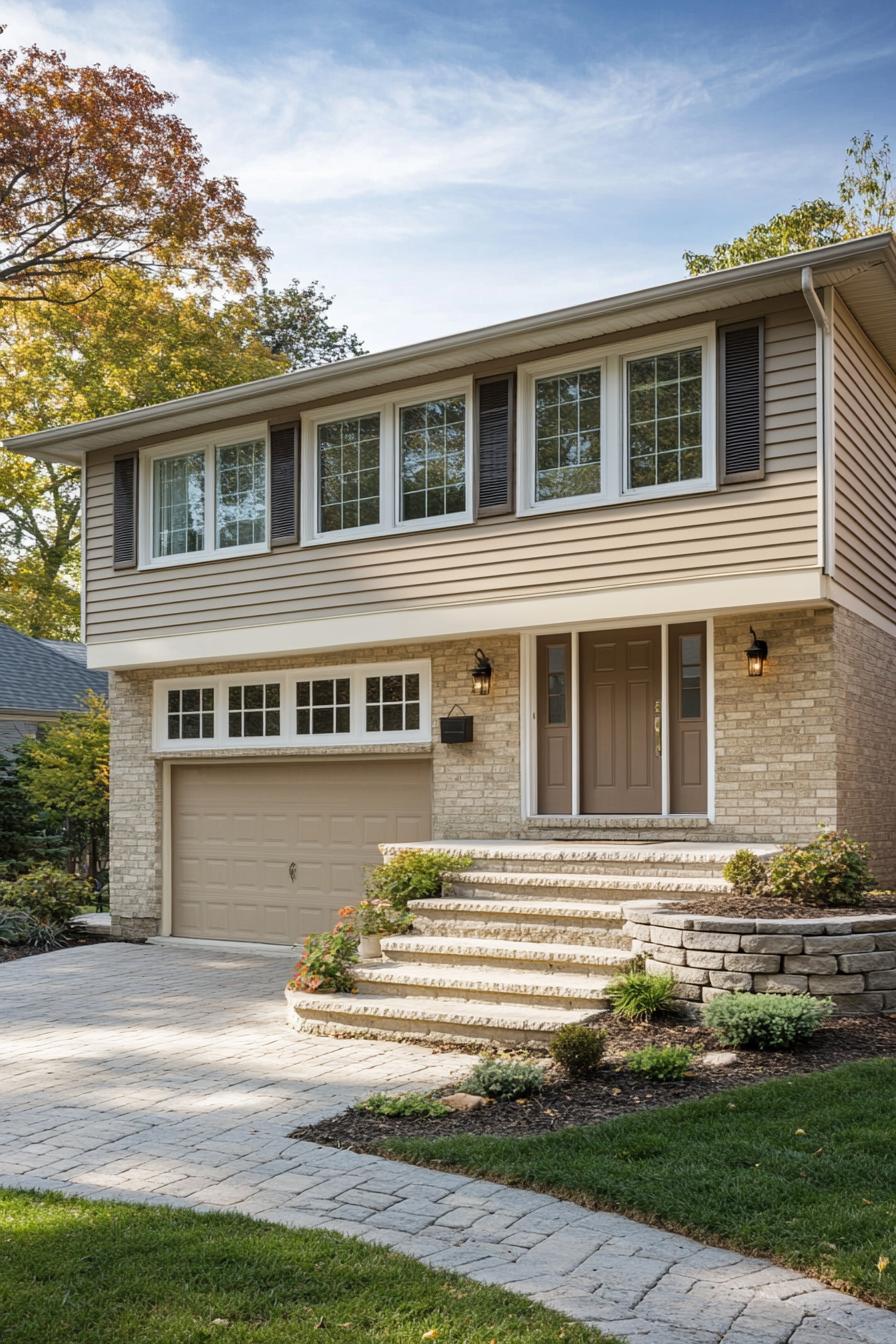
69, 443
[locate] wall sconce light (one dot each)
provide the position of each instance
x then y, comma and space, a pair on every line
756, 655
481, 674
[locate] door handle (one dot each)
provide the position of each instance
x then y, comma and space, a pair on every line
292, 870
658, 728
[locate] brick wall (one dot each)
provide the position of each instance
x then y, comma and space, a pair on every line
865, 659
475, 785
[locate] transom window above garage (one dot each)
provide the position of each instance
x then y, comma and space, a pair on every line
359, 704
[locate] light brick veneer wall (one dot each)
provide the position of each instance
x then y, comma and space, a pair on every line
865, 660
475, 785
776, 775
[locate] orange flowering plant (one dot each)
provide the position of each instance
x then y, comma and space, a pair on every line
324, 966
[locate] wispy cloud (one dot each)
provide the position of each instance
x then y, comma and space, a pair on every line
368, 160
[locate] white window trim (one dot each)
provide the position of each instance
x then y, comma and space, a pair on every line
207, 444
612, 359
389, 409
288, 737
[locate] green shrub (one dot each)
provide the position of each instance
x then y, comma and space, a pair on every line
325, 964
503, 1079
409, 1103
14, 925
375, 916
637, 996
747, 873
578, 1049
765, 1021
48, 893
661, 1063
831, 870
45, 935
412, 875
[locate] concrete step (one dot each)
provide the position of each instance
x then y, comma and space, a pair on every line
610, 890
659, 859
541, 921
429, 1019
499, 952
483, 984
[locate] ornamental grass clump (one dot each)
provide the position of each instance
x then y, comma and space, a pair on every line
412, 875
326, 961
766, 1021
661, 1063
578, 1049
831, 870
638, 996
420, 1105
503, 1079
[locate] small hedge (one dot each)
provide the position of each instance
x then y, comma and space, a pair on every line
832, 869
747, 873
766, 1021
578, 1049
661, 1063
412, 875
503, 1079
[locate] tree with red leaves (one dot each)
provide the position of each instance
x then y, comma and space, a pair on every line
96, 173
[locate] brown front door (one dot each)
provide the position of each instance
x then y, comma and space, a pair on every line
687, 717
554, 725
620, 680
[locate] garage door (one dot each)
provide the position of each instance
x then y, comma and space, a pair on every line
268, 852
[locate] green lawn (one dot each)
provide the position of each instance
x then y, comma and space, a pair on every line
77, 1272
802, 1170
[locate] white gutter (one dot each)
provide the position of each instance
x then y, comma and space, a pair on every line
823, 415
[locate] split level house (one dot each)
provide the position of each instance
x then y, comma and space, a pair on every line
623, 570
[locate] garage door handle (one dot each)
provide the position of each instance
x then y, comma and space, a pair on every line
292, 871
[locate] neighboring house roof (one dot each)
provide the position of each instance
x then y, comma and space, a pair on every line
36, 675
864, 270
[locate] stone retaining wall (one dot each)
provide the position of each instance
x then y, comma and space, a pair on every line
850, 958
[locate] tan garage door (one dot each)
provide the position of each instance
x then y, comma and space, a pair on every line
267, 852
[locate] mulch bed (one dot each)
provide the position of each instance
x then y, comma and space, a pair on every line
778, 907
75, 940
613, 1091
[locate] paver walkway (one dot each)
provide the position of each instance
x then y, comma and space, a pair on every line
168, 1076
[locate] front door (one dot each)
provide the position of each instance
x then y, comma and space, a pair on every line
620, 695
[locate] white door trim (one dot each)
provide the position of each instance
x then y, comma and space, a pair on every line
529, 712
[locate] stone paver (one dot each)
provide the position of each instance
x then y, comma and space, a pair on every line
161, 1075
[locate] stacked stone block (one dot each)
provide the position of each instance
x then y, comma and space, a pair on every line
851, 959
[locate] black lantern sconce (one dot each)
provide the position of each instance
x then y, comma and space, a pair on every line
481, 674
756, 655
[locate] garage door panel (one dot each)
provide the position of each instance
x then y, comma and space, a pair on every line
237, 827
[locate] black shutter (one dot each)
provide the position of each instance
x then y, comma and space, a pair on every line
742, 396
124, 511
494, 445
284, 485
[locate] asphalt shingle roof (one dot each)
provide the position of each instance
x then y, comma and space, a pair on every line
35, 675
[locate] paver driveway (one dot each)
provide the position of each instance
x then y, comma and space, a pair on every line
168, 1075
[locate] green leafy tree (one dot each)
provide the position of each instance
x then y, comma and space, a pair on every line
866, 204
134, 343
65, 775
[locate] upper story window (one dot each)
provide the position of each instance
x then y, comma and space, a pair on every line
633, 420
205, 498
364, 703
348, 473
391, 466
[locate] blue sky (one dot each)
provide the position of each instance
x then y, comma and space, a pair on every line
438, 166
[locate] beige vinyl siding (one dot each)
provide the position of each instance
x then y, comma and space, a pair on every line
864, 467
760, 525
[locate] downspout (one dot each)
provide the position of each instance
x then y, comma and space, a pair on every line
824, 409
